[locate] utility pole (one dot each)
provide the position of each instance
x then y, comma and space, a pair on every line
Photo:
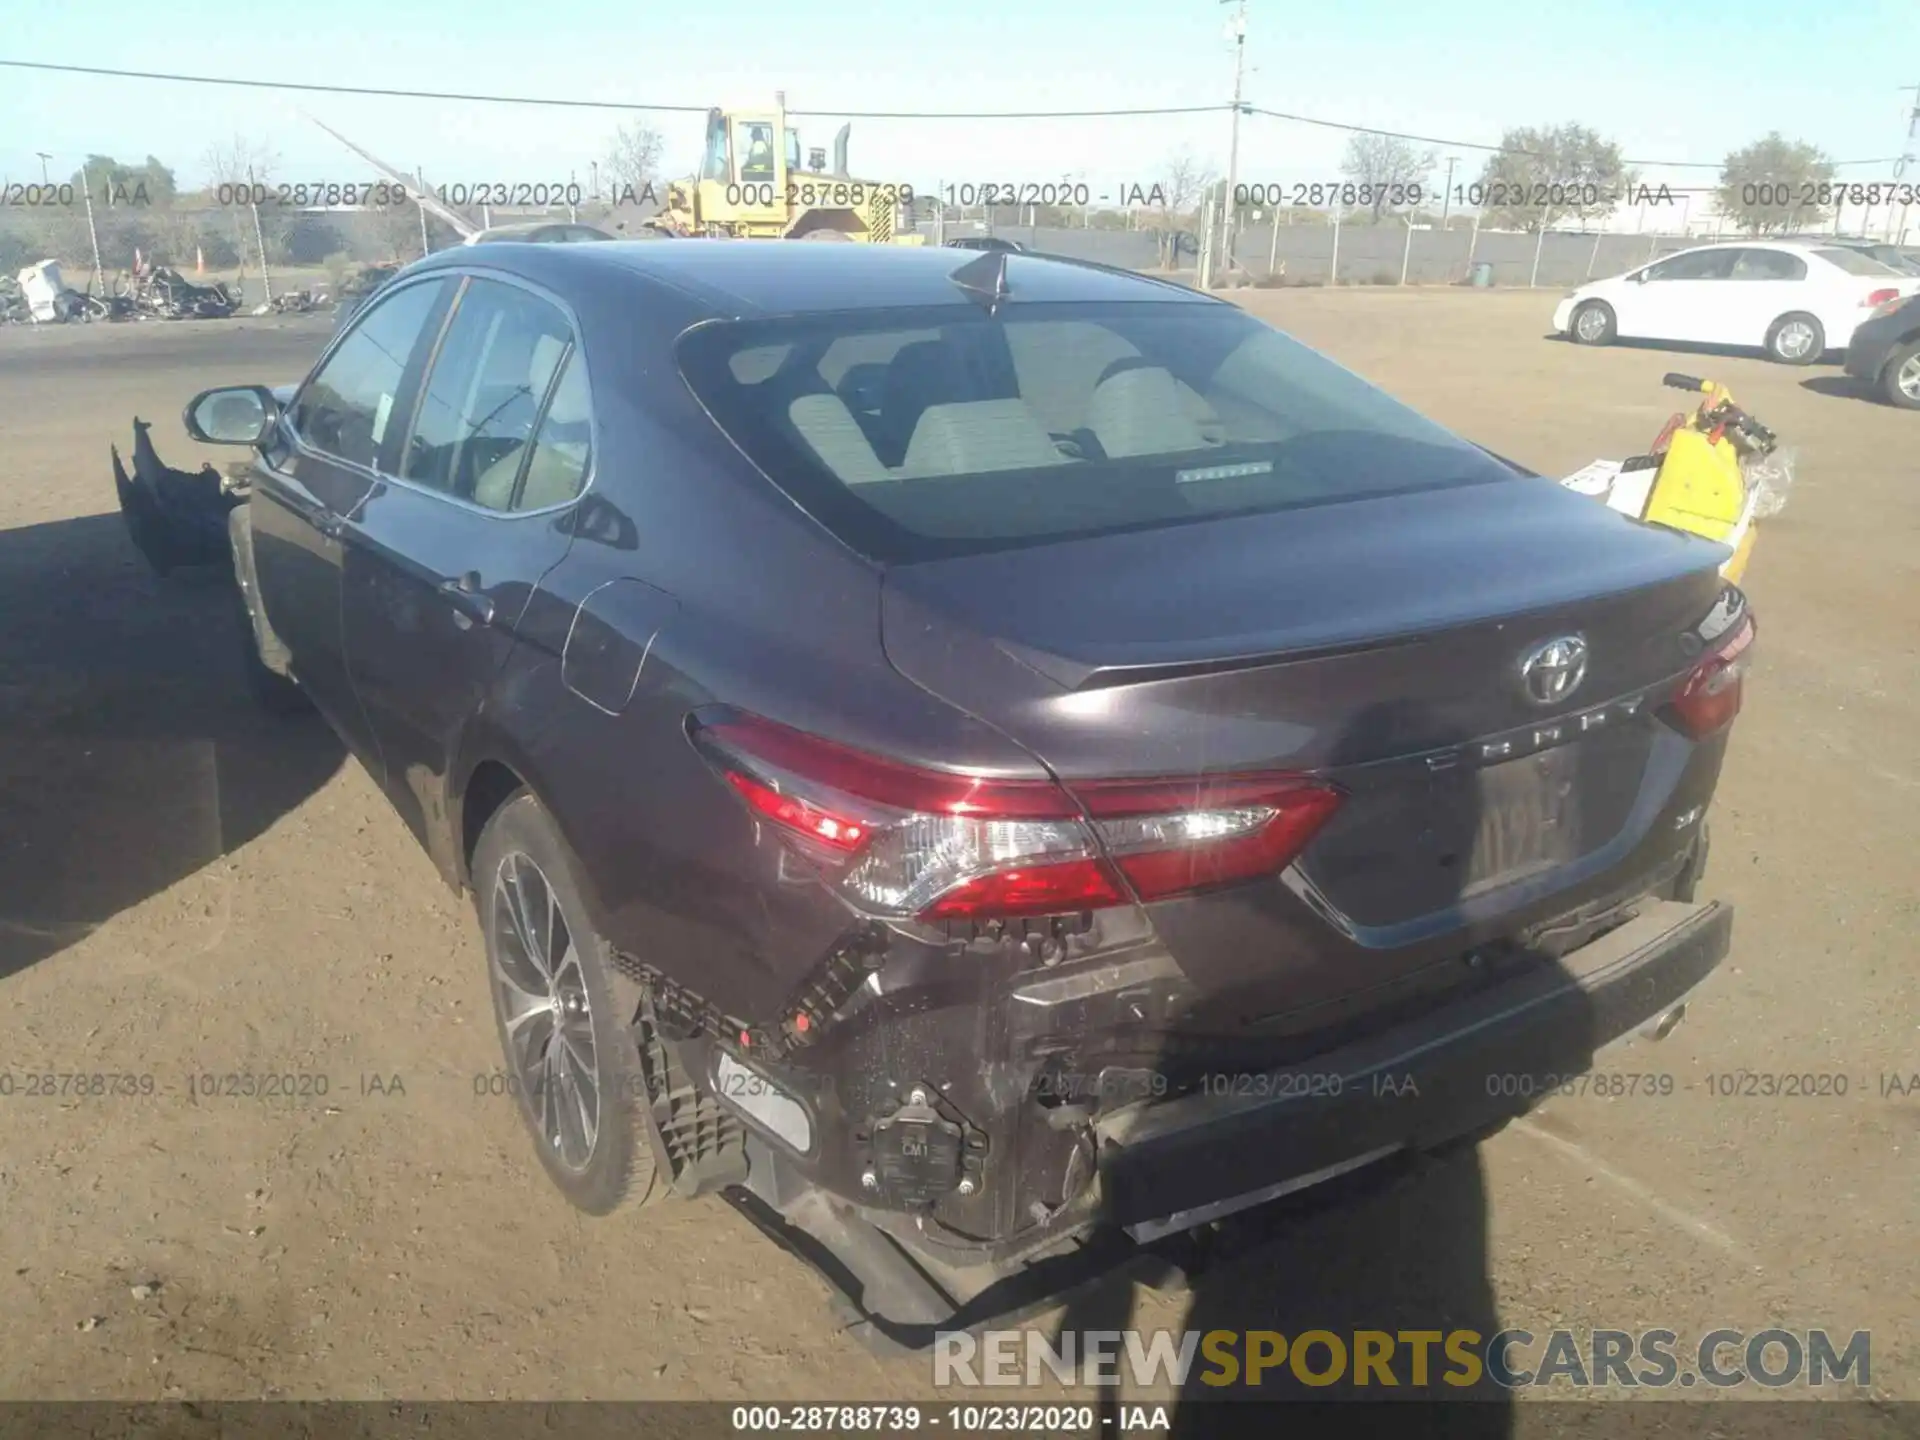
45, 156
93, 233
1237, 28
1446, 196
1906, 160
259, 238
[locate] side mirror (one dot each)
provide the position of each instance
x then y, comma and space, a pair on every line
232, 415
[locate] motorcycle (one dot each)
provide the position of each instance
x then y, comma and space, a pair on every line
1714, 472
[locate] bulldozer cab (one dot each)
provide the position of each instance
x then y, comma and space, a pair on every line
747, 158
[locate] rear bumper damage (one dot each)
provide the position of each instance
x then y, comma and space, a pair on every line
1165, 1167
1461, 1069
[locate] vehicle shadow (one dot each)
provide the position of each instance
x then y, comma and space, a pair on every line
1399, 1247
1840, 387
1691, 347
131, 754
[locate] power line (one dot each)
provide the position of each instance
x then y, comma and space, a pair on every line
578, 104
1451, 144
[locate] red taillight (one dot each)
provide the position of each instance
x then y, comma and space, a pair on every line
1037, 890
1709, 698
899, 840
1880, 297
796, 814
1171, 837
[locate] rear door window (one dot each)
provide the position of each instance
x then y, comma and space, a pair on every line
475, 422
948, 431
1769, 265
562, 450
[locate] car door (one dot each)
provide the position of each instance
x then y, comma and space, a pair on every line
443, 557
314, 472
1762, 286
1675, 301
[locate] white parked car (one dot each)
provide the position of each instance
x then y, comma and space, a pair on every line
1794, 299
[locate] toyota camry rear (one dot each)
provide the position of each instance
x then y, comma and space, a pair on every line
1357, 768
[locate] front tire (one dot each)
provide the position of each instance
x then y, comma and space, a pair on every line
1796, 339
570, 1056
1900, 379
1593, 323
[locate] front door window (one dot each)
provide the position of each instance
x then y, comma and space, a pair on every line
346, 409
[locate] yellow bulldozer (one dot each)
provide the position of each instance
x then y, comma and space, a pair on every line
752, 186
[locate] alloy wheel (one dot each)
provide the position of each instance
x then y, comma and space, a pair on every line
1592, 324
1908, 378
1794, 340
548, 1021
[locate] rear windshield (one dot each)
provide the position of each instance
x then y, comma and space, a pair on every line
922, 434
1853, 262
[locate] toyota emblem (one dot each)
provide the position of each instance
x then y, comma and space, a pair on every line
1553, 671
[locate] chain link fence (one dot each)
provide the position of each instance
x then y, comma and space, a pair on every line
1386, 254
225, 240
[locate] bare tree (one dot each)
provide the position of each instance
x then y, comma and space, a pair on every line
239, 162
1390, 173
633, 162
1179, 195
241, 159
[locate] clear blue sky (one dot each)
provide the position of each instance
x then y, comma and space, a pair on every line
1651, 74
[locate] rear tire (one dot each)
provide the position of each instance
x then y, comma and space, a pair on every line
570, 1057
1900, 379
1592, 324
1796, 339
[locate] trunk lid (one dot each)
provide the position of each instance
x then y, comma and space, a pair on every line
1377, 642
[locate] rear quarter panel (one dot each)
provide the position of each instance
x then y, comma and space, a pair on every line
748, 603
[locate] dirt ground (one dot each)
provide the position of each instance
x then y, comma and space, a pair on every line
189, 889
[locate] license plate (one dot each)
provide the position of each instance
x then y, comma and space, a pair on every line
1529, 819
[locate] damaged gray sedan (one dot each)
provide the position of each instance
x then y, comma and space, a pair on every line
988, 761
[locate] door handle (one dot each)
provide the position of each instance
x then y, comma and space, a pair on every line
467, 598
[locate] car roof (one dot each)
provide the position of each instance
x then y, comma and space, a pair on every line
534, 227
1757, 243
762, 277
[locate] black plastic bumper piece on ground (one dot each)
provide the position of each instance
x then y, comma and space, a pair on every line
1458, 1070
